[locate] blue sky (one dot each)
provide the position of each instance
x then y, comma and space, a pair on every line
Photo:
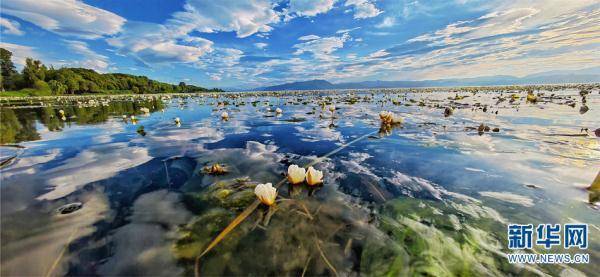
263, 42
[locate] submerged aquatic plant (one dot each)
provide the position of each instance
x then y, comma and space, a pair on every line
296, 174
266, 193
314, 177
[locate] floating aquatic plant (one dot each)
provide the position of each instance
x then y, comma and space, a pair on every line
266, 193
225, 116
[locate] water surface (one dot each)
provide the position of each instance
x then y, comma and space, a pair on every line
430, 196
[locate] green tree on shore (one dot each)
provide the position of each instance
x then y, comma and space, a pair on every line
8, 69
35, 75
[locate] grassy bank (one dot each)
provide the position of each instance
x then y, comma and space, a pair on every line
24, 93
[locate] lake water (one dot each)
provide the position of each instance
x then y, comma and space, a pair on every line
430, 196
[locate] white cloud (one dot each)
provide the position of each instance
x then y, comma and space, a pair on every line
387, 22
378, 54
309, 37
221, 63
346, 30
91, 59
508, 18
222, 58
156, 44
243, 17
171, 42
363, 8
310, 7
10, 27
91, 165
214, 77
261, 45
448, 34
318, 133
509, 40
509, 197
65, 17
321, 48
20, 52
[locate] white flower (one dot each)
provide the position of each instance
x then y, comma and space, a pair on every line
61, 112
266, 193
313, 176
278, 110
133, 117
389, 118
145, 110
296, 174
225, 115
332, 108
177, 120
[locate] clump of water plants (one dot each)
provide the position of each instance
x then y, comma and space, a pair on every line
140, 130
448, 111
216, 169
531, 98
389, 118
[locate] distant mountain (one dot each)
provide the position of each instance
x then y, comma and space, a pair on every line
590, 75
304, 85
